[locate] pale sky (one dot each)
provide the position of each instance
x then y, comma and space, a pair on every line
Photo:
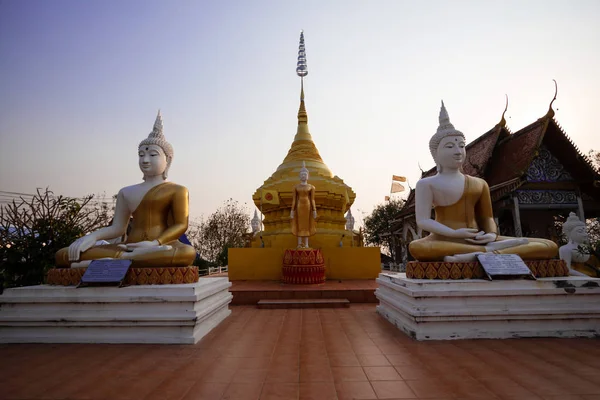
81, 82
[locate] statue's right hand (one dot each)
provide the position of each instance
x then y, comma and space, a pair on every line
79, 246
465, 233
292, 214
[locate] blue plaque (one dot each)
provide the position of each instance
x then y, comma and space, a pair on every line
105, 273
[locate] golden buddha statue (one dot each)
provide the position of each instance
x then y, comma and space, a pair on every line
303, 202
464, 225
160, 216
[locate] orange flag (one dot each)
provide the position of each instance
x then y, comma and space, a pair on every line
398, 178
396, 187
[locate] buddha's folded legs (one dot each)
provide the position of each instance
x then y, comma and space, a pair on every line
179, 255
431, 249
536, 249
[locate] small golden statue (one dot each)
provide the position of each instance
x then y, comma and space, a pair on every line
464, 225
160, 216
303, 202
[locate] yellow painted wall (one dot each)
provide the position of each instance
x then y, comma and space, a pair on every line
340, 263
352, 262
255, 264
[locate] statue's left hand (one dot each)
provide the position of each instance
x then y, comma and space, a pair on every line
315, 214
483, 238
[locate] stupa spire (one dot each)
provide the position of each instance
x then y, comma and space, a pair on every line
302, 71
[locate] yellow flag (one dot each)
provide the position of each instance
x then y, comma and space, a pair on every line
398, 178
396, 187
387, 198
270, 197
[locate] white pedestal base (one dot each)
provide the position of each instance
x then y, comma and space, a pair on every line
470, 309
135, 314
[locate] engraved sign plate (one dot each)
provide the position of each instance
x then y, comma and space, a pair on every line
105, 273
504, 266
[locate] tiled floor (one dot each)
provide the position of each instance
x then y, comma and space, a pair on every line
344, 353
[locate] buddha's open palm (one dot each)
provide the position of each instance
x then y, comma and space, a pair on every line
79, 246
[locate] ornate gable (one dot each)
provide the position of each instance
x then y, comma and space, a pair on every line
546, 168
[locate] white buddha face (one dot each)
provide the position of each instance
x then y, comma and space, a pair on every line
152, 160
451, 152
579, 235
303, 176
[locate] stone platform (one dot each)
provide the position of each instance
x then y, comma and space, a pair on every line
136, 314
471, 309
251, 292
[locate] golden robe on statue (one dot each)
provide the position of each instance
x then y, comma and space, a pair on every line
473, 210
162, 215
303, 205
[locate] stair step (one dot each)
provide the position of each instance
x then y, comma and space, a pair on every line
304, 303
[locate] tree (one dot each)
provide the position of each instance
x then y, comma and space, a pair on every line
378, 225
32, 231
222, 230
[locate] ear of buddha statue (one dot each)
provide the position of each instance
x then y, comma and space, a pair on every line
156, 137
444, 129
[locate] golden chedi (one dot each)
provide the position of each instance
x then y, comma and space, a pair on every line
332, 196
464, 225
159, 212
296, 213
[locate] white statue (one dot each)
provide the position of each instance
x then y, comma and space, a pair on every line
574, 229
255, 223
464, 225
349, 221
160, 216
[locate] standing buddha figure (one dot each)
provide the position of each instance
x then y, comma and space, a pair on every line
464, 225
159, 211
304, 209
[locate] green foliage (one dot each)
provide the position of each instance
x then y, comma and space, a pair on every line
223, 229
32, 231
378, 225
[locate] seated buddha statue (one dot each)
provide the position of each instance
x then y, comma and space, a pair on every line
572, 253
464, 225
159, 211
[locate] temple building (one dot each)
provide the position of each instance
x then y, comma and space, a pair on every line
536, 176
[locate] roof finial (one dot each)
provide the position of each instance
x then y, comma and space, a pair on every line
550, 113
302, 71
502, 122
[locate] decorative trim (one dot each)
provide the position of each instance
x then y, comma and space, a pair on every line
474, 270
547, 197
303, 266
135, 276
